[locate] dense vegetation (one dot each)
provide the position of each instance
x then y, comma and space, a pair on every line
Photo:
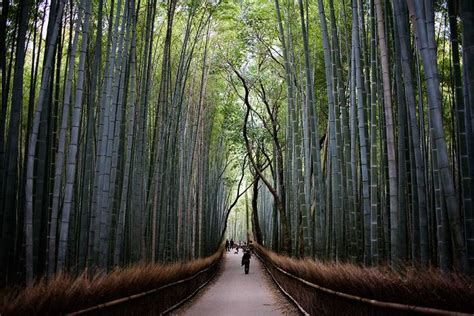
410, 287
370, 148
129, 130
66, 293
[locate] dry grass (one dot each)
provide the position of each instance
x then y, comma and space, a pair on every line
426, 288
64, 293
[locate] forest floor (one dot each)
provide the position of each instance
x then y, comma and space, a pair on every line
233, 292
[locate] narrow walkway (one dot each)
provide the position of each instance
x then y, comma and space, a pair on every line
235, 293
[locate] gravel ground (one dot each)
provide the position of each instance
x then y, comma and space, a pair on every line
232, 292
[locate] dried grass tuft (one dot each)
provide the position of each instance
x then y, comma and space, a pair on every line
426, 288
65, 293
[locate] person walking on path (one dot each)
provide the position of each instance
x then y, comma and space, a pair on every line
246, 261
231, 243
227, 245
234, 294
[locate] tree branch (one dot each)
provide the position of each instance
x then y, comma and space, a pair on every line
247, 143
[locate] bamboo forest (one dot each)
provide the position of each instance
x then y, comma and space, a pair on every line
332, 139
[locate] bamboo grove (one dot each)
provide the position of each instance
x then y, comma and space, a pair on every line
367, 155
130, 129
110, 148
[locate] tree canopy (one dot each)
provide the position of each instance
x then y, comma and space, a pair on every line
336, 130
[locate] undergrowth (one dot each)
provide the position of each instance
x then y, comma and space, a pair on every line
427, 287
65, 293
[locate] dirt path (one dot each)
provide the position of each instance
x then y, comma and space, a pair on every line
235, 293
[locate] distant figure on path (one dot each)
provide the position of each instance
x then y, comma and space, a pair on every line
231, 243
227, 245
246, 261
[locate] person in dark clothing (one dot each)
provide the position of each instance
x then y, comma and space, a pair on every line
231, 243
227, 245
246, 261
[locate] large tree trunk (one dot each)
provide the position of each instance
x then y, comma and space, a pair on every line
60, 155
257, 231
466, 10
33, 137
427, 47
10, 182
73, 145
131, 131
392, 163
362, 135
279, 200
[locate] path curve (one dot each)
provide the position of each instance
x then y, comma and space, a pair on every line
235, 293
